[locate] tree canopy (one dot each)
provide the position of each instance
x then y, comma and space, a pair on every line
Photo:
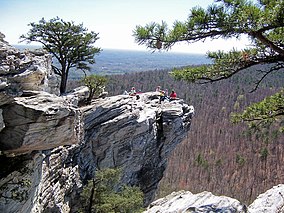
104, 195
262, 21
69, 43
96, 84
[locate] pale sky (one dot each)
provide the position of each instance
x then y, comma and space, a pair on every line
114, 20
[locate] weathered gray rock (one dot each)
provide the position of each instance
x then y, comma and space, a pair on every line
26, 70
6, 96
137, 135
45, 182
78, 95
68, 143
185, 201
270, 201
2, 124
38, 122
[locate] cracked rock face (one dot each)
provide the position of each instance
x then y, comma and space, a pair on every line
2, 124
137, 135
38, 122
39, 182
63, 145
25, 70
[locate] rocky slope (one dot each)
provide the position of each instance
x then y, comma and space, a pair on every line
50, 145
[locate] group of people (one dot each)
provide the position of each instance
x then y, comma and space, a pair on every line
162, 93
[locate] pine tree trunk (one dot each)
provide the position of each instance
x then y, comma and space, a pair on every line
91, 198
63, 83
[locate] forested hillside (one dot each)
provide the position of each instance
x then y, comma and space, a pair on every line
217, 156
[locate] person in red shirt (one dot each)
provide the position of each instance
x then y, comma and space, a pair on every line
173, 95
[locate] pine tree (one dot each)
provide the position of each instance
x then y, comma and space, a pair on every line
261, 21
104, 195
70, 44
96, 84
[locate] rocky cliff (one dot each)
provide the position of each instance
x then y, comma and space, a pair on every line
50, 145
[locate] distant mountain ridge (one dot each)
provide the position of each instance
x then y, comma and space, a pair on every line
113, 61
123, 61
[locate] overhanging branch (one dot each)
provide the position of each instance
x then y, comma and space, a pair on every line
266, 73
267, 42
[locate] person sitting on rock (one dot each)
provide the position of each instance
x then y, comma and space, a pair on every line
132, 91
162, 94
166, 93
173, 95
158, 89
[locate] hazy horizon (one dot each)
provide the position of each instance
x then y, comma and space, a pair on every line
113, 20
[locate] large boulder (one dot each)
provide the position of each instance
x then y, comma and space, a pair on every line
38, 121
204, 202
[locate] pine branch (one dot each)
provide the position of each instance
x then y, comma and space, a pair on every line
266, 73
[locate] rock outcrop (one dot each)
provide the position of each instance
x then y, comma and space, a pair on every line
185, 201
40, 121
50, 145
25, 70
69, 143
137, 135
272, 201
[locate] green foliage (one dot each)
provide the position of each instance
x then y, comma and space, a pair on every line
268, 111
264, 153
96, 84
104, 195
262, 22
70, 44
219, 162
240, 160
201, 161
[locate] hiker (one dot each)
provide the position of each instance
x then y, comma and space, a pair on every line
173, 95
132, 91
158, 89
163, 94
166, 93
